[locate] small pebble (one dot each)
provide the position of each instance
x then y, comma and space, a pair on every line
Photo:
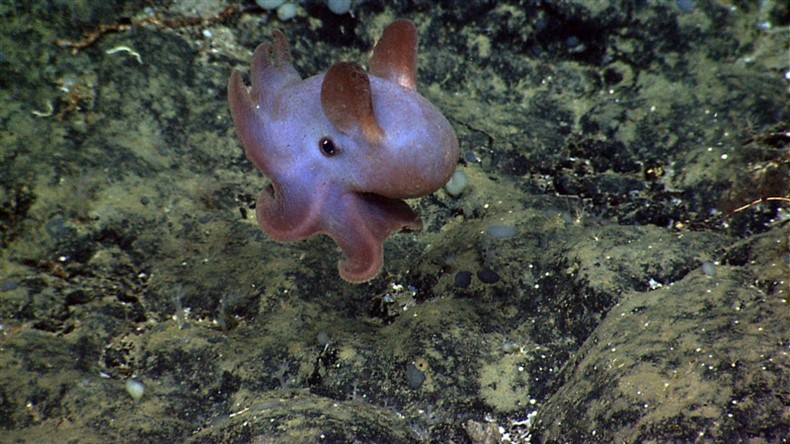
501, 231
457, 184
686, 6
463, 279
269, 4
708, 268
339, 6
414, 377
135, 389
488, 276
323, 338
286, 12
8, 286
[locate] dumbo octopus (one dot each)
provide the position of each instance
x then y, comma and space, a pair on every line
344, 148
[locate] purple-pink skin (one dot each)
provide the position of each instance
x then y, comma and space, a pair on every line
344, 148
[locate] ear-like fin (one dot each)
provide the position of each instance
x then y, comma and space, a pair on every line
347, 102
395, 55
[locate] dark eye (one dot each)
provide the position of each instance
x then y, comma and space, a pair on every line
328, 147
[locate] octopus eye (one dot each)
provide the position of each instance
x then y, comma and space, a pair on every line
328, 147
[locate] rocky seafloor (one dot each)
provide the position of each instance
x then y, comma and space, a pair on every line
633, 158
